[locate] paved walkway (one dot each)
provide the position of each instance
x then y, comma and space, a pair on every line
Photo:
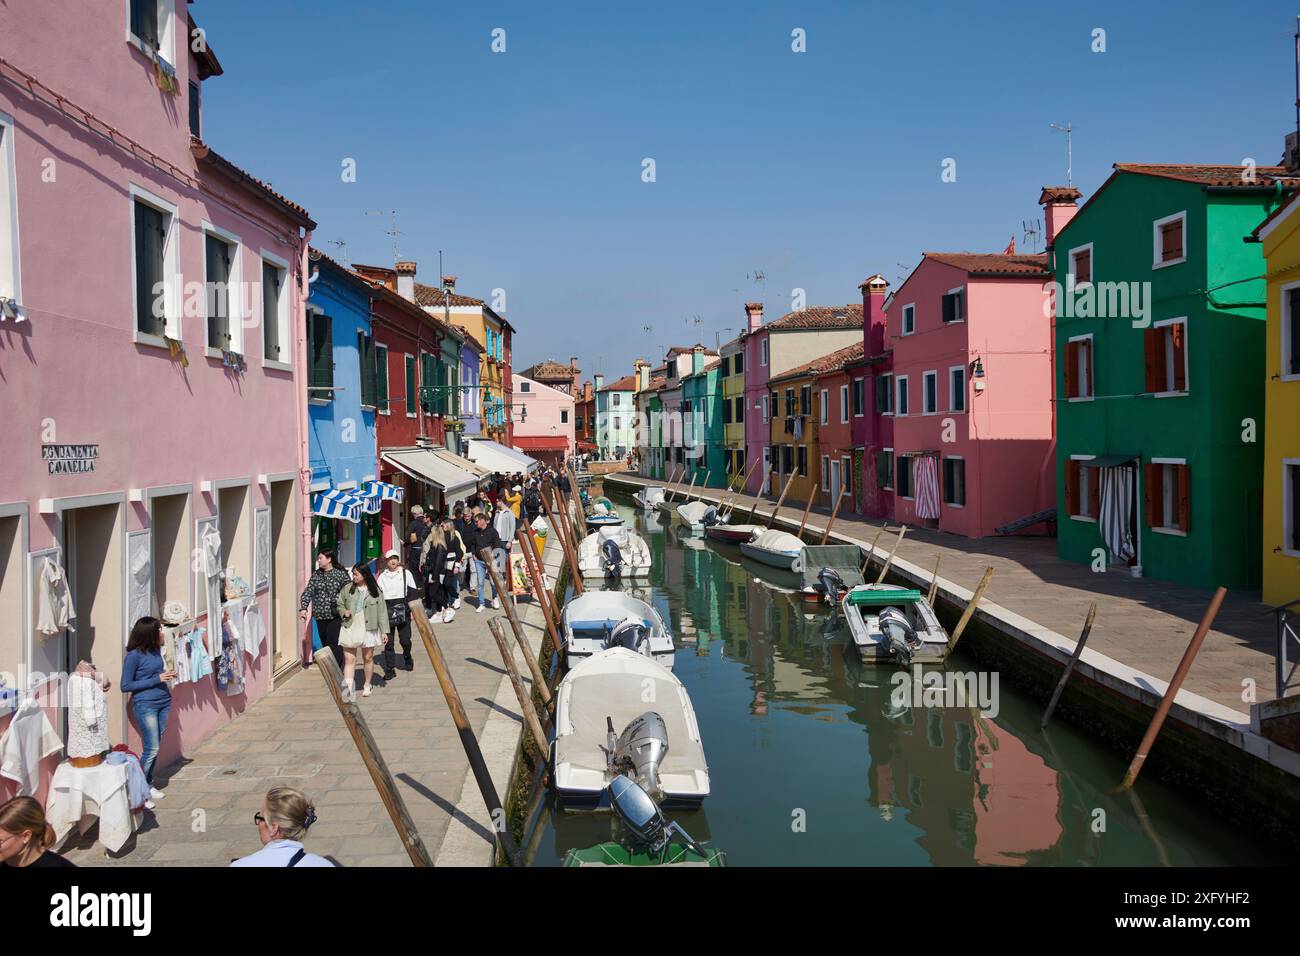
1142, 622
295, 736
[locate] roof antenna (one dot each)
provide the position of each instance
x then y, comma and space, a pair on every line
391, 231
1068, 130
1033, 229
343, 249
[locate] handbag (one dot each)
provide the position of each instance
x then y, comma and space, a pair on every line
396, 612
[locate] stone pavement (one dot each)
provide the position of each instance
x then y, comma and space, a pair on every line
295, 736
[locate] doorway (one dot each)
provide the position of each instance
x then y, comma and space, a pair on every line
92, 543
767, 470
835, 481
284, 562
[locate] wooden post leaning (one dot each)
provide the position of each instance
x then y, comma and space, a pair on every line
934, 583
781, 500
526, 709
826, 532
1069, 666
537, 575
884, 568
812, 496
871, 552
970, 608
508, 602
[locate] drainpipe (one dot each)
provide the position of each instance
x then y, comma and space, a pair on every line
300, 386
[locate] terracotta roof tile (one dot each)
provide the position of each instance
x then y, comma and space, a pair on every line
820, 317
625, 384
1051, 194
432, 295
205, 153
993, 264
1213, 174
826, 364
682, 349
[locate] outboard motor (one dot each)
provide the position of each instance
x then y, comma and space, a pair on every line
710, 517
613, 557
900, 636
630, 633
639, 750
832, 584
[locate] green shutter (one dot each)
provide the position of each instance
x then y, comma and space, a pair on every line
321, 333
270, 312
882, 470
410, 385
381, 377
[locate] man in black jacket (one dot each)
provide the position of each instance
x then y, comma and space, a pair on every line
417, 529
483, 535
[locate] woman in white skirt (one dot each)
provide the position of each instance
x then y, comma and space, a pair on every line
365, 627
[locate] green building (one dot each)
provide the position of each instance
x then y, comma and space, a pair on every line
702, 422
1159, 339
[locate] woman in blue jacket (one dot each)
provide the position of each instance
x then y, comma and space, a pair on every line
145, 680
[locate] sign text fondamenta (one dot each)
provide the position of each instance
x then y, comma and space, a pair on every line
70, 459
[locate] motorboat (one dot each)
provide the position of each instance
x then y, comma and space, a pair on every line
614, 552
647, 838
597, 620
828, 571
621, 713
649, 496
602, 514
694, 514
779, 549
894, 624
732, 533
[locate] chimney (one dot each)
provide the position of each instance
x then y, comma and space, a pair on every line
697, 360
642, 375
754, 312
405, 280
1059, 203
600, 381
873, 313
449, 283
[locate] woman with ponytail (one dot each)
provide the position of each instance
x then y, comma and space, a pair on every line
283, 821
25, 837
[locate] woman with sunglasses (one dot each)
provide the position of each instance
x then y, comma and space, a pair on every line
282, 822
25, 836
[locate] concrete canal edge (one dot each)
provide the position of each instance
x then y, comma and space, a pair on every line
1205, 748
465, 842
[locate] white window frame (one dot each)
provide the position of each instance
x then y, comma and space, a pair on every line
931, 374
965, 405
283, 308
1092, 351
1084, 498
762, 353
166, 33
1187, 360
844, 404
861, 382
1092, 265
1290, 508
907, 319
826, 472
1169, 501
959, 290
893, 463
172, 311
893, 394
949, 504
11, 283
235, 298
825, 409
1284, 310
901, 408
1156, 263
767, 412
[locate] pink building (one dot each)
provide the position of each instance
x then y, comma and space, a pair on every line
145, 414
972, 392
545, 430
871, 391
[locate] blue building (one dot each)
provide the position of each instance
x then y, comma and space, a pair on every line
347, 387
471, 398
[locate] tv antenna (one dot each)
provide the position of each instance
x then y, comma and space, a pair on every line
1033, 229
343, 249
1068, 130
392, 230
759, 278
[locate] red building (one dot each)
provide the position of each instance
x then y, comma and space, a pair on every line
835, 442
871, 396
584, 430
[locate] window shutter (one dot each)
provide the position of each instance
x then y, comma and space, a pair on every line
1171, 241
1153, 347
949, 307
1179, 333
1292, 360
148, 250
322, 352
1071, 369
1094, 495
1184, 497
409, 361
270, 312
381, 377
1155, 496
1071, 487
1083, 267
1293, 473
1087, 365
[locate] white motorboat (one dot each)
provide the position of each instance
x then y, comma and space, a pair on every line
649, 496
732, 533
693, 515
619, 712
890, 623
614, 552
779, 549
601, 514
597, 620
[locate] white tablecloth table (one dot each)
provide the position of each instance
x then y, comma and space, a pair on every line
80, 795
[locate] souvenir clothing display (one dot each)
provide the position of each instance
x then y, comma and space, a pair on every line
81, 795
54, 600
210, 564
87, 716
137, 785
29, 740
253, 631
230, 660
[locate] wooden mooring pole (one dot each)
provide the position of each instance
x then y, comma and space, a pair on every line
569, 556
1069, 666
781, 500
812, 496
508, 602
884, 569
871, 552
488, 790
373, 759
826, 532
970, 609
934, 583
537, 574
526, 709
1185, 665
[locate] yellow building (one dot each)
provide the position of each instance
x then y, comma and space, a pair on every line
794, 434
732, 377
1280, 233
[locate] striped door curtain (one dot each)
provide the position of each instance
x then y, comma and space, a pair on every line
1116, 504
926, 479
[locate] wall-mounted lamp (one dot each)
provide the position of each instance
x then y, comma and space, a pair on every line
977, 369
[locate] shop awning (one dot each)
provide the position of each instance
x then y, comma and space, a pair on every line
423, 465
497, 457
383, 489
338, 504
1106, 461
464, 464
541, 443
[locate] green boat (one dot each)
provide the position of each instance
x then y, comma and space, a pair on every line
648, 836
616, 854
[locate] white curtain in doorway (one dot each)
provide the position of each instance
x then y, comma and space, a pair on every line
1116, 505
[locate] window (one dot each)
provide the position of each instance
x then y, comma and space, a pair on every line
900, 402
726, 412
954, 306
803, 461
1290, 502
805, 400
1166, 357
846, 475
410, 386
738, 363
884, 394
885, 469
275, 311
579, 422
740, 410
618, 422
826, 407
826, 473
564, 417
954, 482
219, 278
905, 477
1078, 367
381, 378
525, 386
726, 366
844, 402
1081, 264
1290, 318
957, 388
858, 398
618, 400
930, 393
1169, 240
672, 369
428, 379
9, 272
1082, 489
150, 27
1168, 495
909, 319
194, 110
762, 352
320, 356
156, 264
789, 403
787, 459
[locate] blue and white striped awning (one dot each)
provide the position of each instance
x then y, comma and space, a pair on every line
385, 491
339, 504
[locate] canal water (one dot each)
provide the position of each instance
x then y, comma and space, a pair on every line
814, 762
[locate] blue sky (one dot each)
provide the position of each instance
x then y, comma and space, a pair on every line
815, 168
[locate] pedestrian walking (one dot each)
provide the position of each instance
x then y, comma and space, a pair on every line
282, 823
416, 529
321, 593
447, 568
365, 627
532, 502
145, 677
504, 522
484, 536
397, 585
515, 499
26, 836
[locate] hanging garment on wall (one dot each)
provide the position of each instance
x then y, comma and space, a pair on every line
140, 587
200, 661
29, 740
87, 716
55, 611
927, 486
210, 563
253, 632
1116, 506
230, 662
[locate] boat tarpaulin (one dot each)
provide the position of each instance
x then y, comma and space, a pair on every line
338, 504
423, 465
1117, 491
497, 457
926, 479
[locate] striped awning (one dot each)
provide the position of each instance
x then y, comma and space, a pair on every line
373, 494
338, 504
